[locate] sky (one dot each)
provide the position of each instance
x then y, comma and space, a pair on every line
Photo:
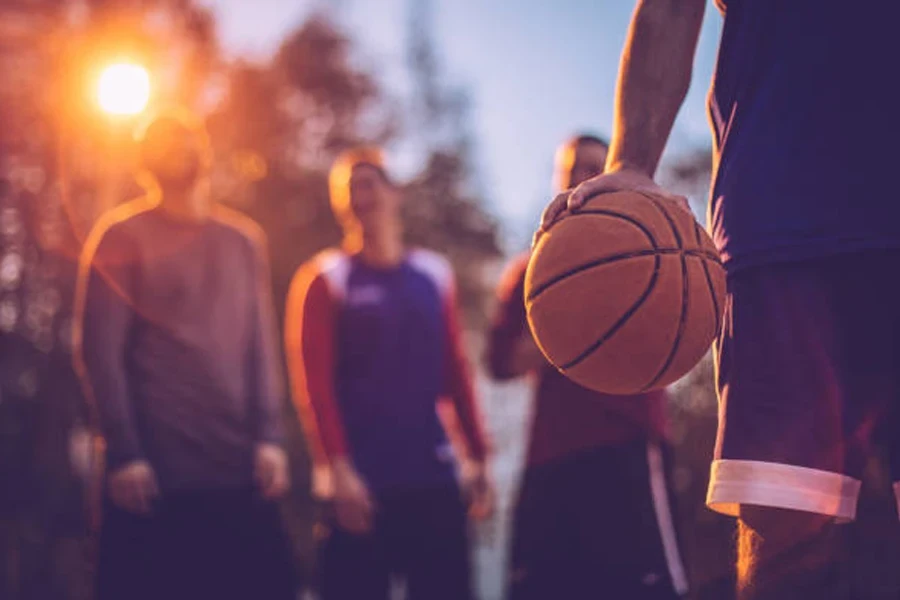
537, 71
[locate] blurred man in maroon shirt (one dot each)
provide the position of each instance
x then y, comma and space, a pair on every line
593, 517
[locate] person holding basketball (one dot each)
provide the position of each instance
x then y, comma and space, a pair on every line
593, 516
175, 344
802, 112
373, 346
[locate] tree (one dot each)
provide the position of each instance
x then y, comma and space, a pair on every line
444, 208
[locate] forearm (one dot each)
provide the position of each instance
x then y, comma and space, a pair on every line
267, 379
268, 394
470, 425
268, 385
654, 76
323, 428
104, 386
269, 429
527, 357
100, 324
310, 325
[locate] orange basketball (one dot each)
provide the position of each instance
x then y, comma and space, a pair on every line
625, 295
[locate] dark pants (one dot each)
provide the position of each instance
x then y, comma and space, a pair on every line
419, 536
210, 545
597, 525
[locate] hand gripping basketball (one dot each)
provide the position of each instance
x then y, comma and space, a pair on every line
626, 294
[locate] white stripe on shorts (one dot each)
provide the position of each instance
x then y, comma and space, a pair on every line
663, 509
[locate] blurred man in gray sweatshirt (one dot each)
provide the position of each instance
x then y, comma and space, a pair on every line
175, 346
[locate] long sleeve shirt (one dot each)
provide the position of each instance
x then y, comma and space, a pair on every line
175, 344
371, 352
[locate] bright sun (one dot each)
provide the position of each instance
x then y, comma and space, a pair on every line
124, 89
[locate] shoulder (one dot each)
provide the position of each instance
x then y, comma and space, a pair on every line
434, 266
329, 268
240, 225
116, 230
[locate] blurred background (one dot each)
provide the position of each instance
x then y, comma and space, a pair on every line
469, 98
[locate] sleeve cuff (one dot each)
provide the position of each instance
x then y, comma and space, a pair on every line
271, 435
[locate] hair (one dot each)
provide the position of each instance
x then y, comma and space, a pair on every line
589, 138
342, 169
565, 156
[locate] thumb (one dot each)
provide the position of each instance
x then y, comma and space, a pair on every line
589, 189
554, 210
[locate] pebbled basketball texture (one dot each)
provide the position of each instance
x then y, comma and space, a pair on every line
626, 295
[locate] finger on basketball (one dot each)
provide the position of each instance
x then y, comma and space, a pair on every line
555, 210
656, 286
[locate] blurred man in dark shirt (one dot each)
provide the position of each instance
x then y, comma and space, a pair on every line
593, 517
374, 347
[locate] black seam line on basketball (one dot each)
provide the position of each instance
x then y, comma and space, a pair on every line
685, 293
624, 217
712, 290
607, 213
622, 320
537, 291
638, 303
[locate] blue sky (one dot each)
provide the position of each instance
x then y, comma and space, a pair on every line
537, 71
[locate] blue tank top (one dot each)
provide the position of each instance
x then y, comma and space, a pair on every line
804, 112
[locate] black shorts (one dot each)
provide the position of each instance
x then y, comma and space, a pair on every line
598, 524
216, 544
808, 372
420, 537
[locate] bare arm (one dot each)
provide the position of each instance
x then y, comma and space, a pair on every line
654, 76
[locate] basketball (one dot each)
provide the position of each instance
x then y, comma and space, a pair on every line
625, 295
